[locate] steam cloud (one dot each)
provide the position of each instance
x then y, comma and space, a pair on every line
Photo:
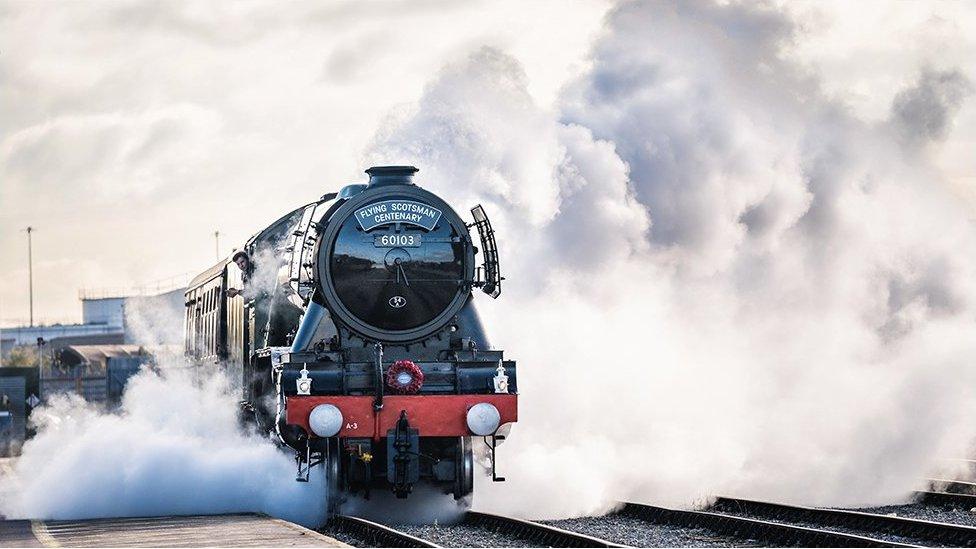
720, 280
174, 448
924, 112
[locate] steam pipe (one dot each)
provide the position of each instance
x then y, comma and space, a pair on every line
310, 322
378, 401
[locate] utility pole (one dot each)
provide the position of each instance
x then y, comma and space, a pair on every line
30, 274
217, 243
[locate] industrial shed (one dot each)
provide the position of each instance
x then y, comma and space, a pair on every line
96, 372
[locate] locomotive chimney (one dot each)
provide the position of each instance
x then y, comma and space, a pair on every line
391, 175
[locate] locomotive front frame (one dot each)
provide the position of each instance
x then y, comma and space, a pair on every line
371, 439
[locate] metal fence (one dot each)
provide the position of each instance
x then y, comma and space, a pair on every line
13, 414
106, 389
155, 287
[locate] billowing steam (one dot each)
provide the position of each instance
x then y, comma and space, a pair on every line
720, 280
174, 448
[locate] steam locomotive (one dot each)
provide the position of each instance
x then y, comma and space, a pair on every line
351, 325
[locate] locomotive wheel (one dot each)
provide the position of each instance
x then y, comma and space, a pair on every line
331, 468
464, 469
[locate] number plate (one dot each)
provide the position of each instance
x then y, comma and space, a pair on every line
397, 240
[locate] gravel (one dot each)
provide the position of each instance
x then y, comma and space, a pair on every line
635, 532
344, 537
464, 535
616, 528
920, 511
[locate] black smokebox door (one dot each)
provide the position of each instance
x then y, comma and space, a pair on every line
397, 288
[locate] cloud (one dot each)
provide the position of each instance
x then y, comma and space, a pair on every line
109, 155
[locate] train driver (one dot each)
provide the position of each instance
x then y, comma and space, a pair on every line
244, 264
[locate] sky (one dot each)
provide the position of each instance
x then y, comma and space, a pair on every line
131, 131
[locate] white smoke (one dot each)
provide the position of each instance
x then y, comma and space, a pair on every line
719, 280
266, 274
173, 448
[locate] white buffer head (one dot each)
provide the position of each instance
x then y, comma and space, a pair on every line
325, 420
483, 419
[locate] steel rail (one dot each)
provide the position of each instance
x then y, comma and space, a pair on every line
955, 535
946, 499
378, 534
548, 536
772, 533
953, 486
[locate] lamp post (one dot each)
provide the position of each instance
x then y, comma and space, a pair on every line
217, 243
30, 274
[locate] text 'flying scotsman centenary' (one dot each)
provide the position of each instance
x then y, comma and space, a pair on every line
397, 211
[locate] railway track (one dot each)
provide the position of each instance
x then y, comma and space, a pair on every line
952, 486
372, 534
476, 529
887, 527
753, 530
728, 522
950, 499
701, 528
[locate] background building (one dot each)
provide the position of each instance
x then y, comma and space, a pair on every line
94, 358
139, 316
